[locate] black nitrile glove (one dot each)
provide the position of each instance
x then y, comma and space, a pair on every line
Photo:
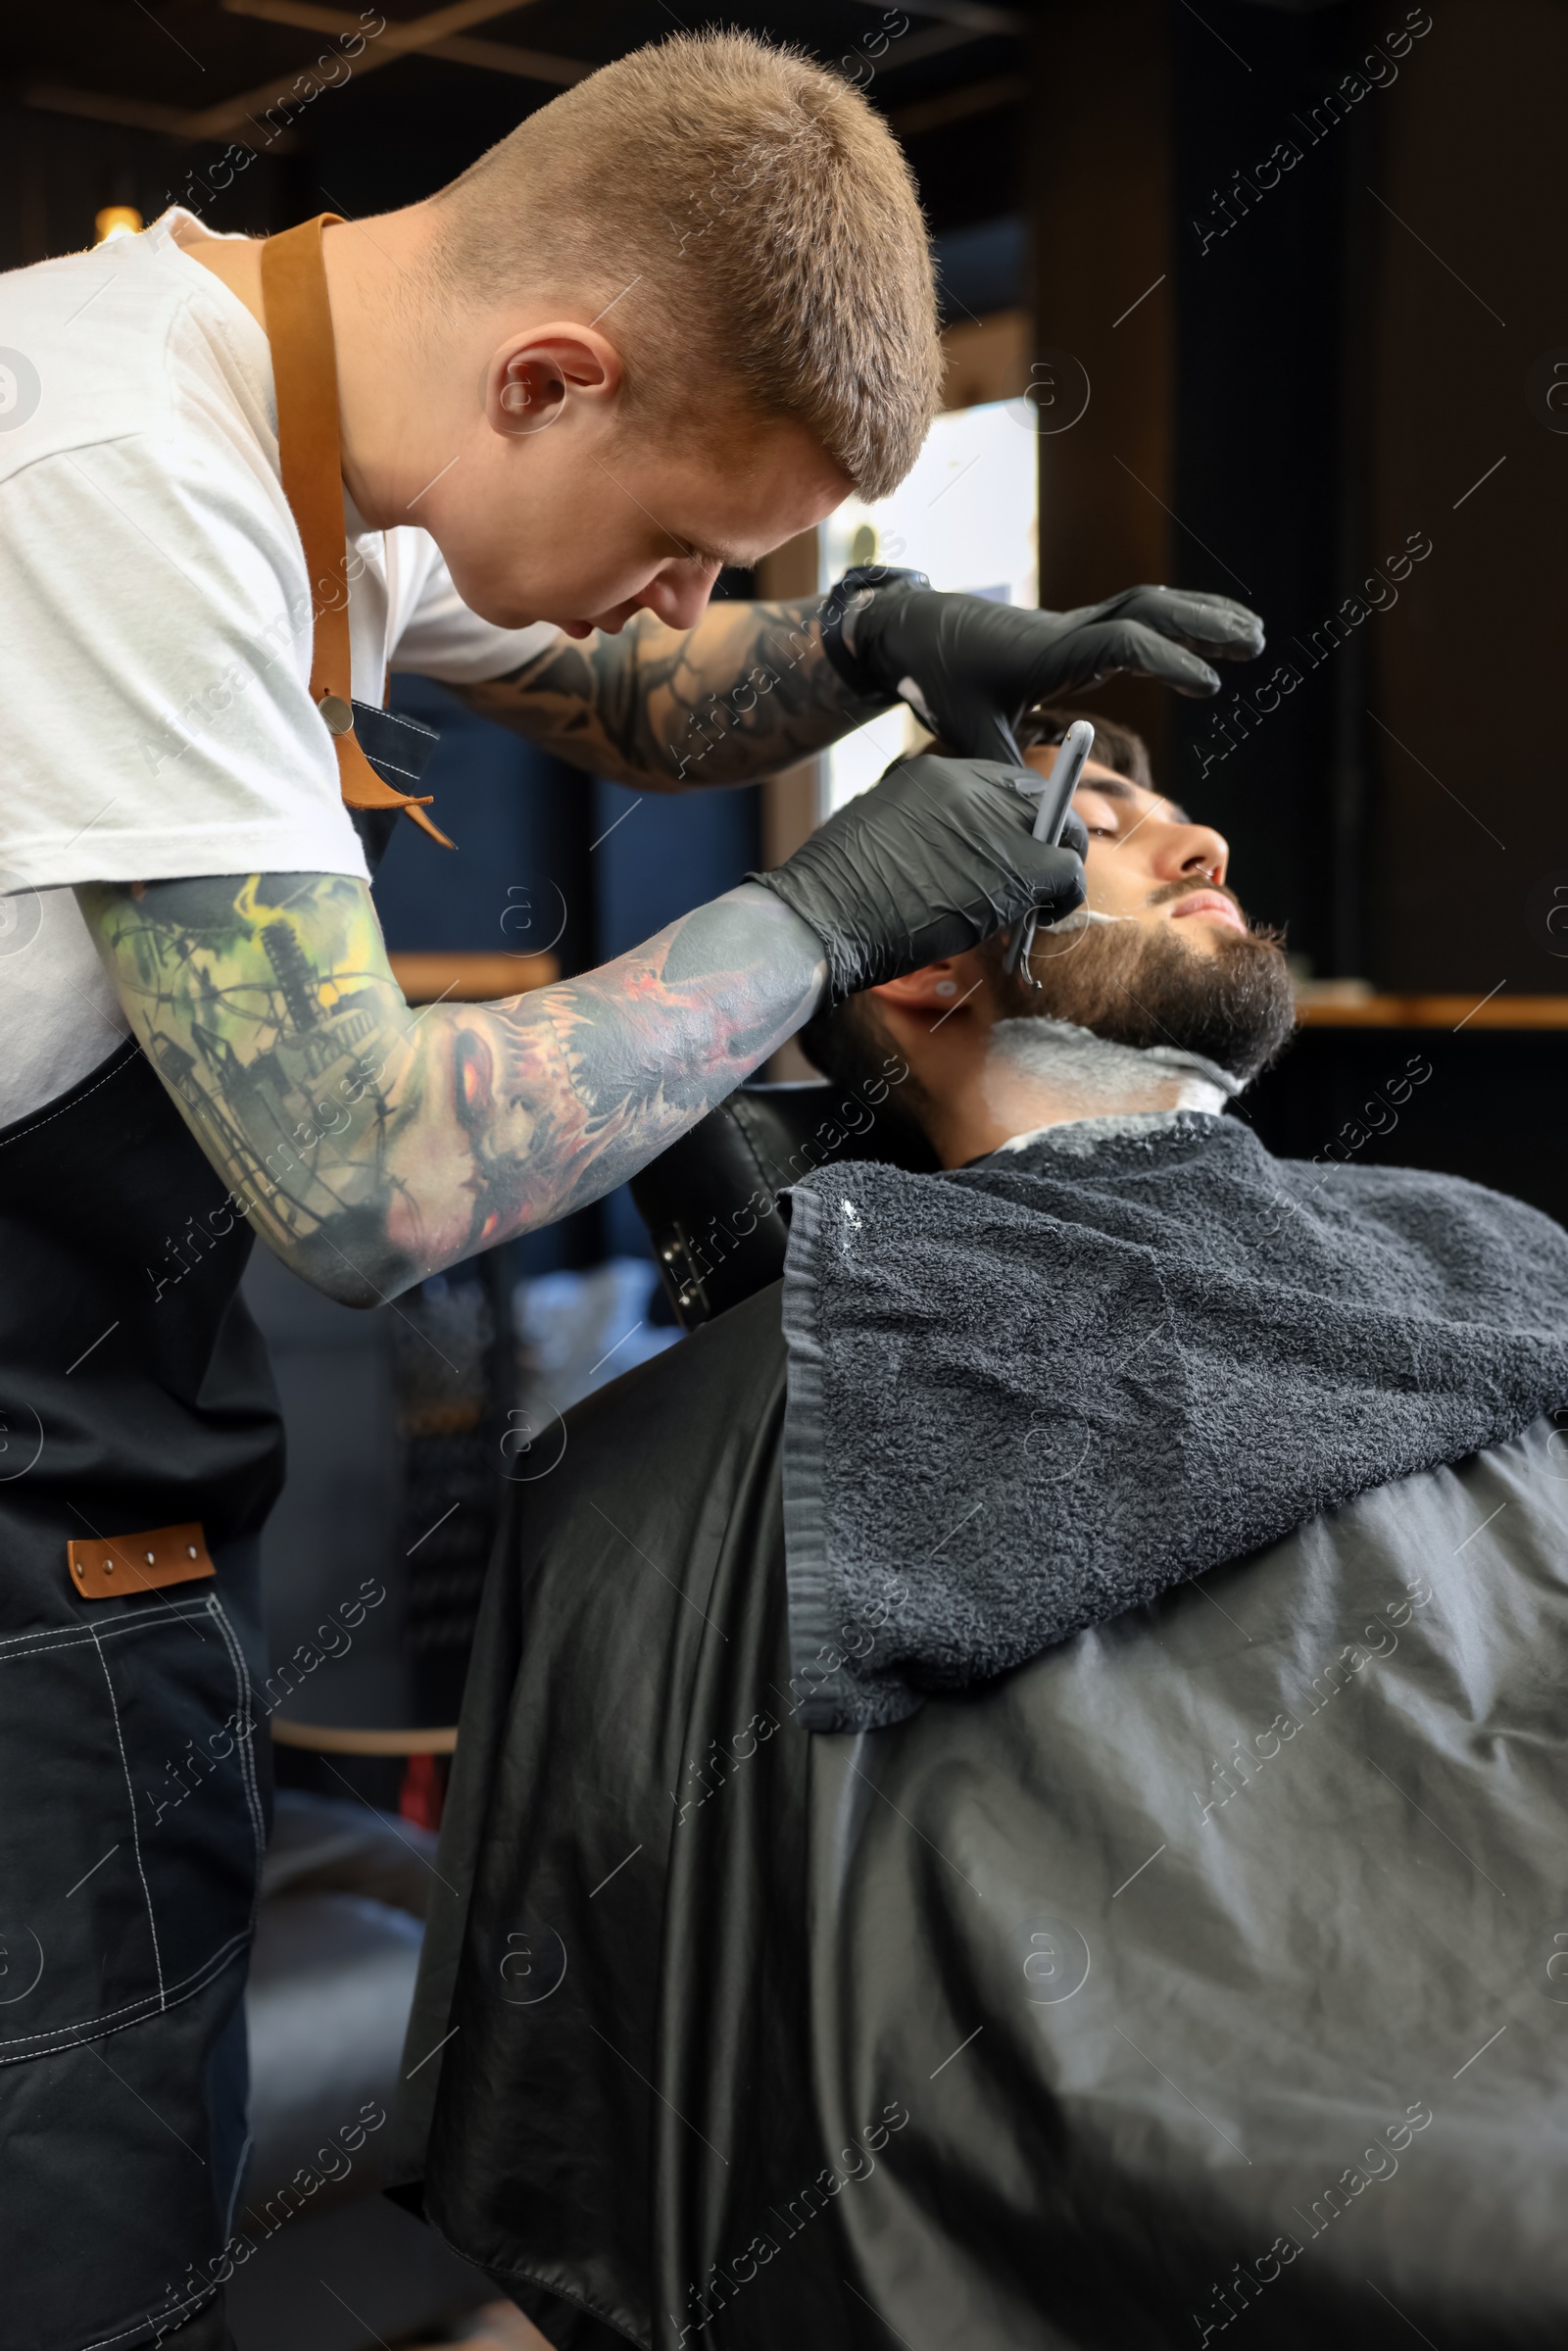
970, 668
932, 859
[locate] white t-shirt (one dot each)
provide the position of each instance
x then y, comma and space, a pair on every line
155, 632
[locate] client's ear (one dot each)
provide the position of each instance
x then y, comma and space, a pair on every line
936, 987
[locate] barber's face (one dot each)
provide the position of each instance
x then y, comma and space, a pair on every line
1147, 861
583, 526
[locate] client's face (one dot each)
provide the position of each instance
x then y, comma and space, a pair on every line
1167, 956
1162, 955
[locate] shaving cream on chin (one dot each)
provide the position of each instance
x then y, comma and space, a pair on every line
1082, 916
1075, 1066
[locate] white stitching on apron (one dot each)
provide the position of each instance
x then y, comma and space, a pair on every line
67, 1635
179, 1992
253, 1793
14, 2046
136, 1838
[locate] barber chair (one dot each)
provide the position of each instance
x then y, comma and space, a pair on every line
712, 1201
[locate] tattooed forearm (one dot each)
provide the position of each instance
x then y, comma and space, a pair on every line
370, 1145
745, 693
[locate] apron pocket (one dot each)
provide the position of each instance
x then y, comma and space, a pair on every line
131, 1827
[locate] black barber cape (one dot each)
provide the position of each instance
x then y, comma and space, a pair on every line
1205, 1972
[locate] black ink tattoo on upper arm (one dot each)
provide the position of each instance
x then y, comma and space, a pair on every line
372, 1145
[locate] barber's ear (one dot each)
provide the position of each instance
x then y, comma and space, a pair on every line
935, 987
531, 380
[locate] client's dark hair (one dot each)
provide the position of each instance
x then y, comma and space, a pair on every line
1116, 747
849, 1044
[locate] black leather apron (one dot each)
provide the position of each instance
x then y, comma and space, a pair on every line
140, 1450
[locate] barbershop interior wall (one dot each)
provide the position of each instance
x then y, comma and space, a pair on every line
1469, 840
1351, 372
1265, 442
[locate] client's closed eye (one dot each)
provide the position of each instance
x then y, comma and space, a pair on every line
1099, 814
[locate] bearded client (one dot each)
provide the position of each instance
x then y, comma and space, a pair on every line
1079, 1857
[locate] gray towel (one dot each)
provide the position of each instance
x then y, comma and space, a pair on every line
1028, 1395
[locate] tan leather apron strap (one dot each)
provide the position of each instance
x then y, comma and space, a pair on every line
299, 328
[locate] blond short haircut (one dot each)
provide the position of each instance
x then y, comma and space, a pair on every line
749, 216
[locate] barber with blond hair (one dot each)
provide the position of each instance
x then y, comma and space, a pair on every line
505, 438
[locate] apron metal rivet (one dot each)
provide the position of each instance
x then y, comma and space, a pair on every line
191, 1548
336, 713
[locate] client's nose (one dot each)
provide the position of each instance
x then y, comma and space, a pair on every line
1194, 850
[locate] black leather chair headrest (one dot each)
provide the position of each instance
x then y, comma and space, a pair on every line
711, 1202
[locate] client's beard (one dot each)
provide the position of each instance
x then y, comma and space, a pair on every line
1141, 984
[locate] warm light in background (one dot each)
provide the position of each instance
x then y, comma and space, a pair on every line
116, 221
